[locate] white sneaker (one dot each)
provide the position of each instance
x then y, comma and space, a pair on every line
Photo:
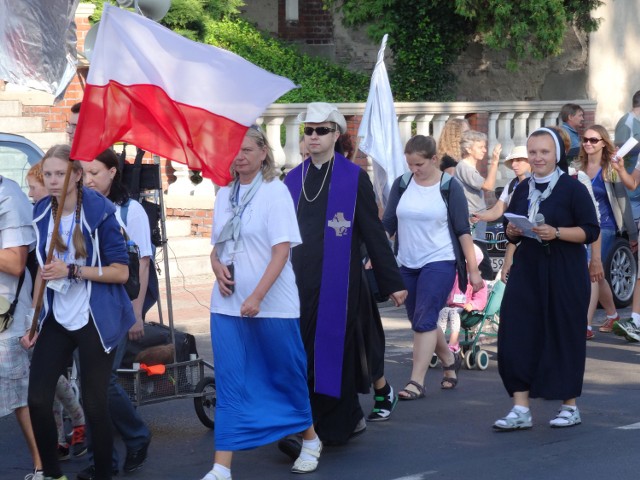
566, 417
213, 475
36, 475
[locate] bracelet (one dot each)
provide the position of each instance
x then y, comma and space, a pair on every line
79, 274
71, 275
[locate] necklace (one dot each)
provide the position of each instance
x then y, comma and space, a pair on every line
304, 177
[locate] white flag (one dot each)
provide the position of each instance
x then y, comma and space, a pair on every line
379, 133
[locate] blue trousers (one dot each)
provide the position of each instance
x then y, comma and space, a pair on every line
125, 418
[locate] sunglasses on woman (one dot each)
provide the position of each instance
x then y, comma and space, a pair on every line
591, 140
322, 131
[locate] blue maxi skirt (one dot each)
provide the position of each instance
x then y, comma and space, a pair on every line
261, 383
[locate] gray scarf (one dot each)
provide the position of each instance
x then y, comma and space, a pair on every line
231, 230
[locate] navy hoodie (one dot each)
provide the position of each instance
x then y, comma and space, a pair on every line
109, 304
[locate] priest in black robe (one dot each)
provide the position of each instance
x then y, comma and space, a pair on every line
339, 319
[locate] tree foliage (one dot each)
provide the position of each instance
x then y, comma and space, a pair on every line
426, 37
216, 22
528, 28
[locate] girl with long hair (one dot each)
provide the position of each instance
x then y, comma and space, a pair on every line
85, 305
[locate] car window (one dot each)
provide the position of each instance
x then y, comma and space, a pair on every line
16, 158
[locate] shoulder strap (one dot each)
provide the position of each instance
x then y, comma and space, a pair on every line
404, 181
124, 211
445, 181
512, 185
14, 304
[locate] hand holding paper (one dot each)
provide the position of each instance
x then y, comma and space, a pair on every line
521, 222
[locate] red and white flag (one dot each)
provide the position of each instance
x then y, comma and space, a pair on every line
168, 95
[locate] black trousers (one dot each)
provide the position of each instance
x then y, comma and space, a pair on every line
52, 353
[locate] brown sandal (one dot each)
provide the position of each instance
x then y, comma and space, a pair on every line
455, 366
409, 394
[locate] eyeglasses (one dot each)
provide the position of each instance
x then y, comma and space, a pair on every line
322, 131
591, 140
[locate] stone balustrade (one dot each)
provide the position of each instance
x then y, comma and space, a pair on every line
507, 123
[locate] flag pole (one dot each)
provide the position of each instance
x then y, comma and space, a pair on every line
354, 154
56, 226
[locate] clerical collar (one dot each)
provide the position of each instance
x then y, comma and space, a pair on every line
546, 179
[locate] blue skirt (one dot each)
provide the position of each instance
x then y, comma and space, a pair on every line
261, 380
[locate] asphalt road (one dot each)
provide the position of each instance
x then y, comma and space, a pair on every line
445, 435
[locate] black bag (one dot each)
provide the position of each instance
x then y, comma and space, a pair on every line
157, 334
133, 282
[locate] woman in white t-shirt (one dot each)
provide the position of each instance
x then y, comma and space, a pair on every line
262, 393
434, 240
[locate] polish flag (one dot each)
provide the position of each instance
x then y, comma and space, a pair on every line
168, 95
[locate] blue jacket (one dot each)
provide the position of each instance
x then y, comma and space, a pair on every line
109, 304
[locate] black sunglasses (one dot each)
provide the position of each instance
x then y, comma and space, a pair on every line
322, 131
591, 140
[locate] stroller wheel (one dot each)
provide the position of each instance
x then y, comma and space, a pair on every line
470, 359
434, 361
482, 360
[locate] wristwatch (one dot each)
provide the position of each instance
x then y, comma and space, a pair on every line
557, 233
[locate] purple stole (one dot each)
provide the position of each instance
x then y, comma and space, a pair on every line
334, 288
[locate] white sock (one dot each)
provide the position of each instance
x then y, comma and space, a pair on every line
311, 445
222, 470
589, 327
635, 318
573, 408
519, 409
614, 316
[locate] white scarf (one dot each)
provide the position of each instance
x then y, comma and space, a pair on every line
536, 196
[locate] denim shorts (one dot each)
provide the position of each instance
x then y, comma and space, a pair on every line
428, 288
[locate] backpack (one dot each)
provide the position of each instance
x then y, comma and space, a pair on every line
445, 182
133, 282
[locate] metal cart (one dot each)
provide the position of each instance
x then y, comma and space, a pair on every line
186, 379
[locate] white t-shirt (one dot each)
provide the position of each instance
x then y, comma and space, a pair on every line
137, 227
17, 237
268, 219
70, 309
423, 228
15, 231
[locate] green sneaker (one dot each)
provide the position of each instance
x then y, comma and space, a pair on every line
619, 326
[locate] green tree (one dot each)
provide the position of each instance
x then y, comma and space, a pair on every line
426, 37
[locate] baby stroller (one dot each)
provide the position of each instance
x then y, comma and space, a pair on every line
481, 323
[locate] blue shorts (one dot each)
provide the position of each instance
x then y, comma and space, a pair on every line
428, 288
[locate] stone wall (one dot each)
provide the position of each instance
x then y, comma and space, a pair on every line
483, 75
614, 64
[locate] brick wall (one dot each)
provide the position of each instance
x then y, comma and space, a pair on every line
201, 220
314, 27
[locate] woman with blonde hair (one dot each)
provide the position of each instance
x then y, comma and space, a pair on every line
261, 382
614, 206
85, 305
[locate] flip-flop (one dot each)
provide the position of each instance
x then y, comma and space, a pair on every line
411, 395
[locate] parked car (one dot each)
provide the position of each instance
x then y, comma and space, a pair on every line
620, 266
17, 155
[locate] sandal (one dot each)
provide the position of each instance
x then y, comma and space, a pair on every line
454, 367
410, 394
